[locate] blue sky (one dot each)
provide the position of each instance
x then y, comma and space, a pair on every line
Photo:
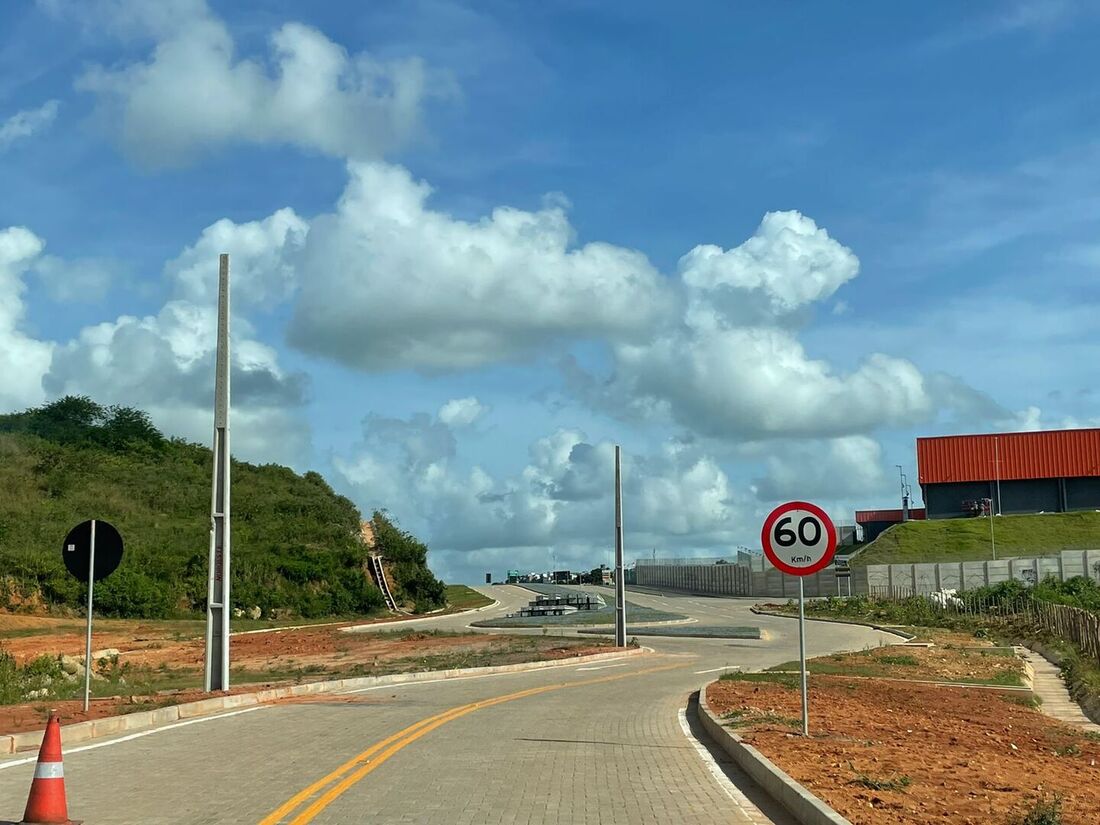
475, 245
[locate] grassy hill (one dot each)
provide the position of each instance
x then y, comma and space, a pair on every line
967, 539
295, 542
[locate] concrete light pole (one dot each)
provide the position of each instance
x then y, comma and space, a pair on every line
620, 583
216, 674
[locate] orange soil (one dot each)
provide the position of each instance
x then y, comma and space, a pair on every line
972, 756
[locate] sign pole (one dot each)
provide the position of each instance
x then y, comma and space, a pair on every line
88, 640
620, 583
802, 656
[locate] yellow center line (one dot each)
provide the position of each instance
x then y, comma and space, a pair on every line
394, 743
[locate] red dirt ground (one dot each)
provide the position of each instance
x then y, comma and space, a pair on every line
327, 652
973, 757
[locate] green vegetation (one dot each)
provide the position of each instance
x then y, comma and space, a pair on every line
896, 783
787, 680
461, 597
967, 539
1043, 812
296, 550
745, 717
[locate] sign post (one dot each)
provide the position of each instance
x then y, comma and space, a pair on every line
81, 560
799, 539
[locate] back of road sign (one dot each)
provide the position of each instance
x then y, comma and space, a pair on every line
78, 545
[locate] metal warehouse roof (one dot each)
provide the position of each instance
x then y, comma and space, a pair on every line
1009, 456
865, 516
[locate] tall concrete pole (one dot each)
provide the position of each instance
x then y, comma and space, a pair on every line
620, 582
217, 601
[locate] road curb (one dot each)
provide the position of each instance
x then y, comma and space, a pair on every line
369, 626
111, 725
881, 628
803, 805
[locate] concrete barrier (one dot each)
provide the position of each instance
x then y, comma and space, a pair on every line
803, 805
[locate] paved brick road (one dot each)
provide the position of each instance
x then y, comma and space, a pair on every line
609, 751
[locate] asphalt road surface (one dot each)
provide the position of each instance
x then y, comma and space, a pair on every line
607, 742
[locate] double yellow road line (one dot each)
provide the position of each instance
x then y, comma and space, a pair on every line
359, 766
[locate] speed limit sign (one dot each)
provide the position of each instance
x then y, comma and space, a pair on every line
799, 538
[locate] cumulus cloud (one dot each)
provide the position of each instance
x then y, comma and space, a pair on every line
164, 363
27, 123
830, 470
733, 367
260, 255
395, 284
462, 412
561, 501
23, 360
787, 264
194, 92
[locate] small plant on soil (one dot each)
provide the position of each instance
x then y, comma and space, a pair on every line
1043, 812
897, 783
1068, 750
1032, 701
907, 661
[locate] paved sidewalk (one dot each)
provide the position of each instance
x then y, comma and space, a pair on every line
1049, 687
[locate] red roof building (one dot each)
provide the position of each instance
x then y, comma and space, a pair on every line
1045, 471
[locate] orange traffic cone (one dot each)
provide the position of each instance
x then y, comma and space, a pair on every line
46, 803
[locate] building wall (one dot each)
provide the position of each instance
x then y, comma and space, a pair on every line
1037, 495
946, 500
1083, 493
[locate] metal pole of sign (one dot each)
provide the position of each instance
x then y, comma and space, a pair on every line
620, 584
88, 640
802, 656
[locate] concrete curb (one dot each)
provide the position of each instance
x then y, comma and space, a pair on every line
435, 614
111, 725
803, 805
881, 628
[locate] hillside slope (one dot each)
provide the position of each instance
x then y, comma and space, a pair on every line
296, 545
967, 539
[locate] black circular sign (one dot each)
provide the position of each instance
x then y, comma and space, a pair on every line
78, 546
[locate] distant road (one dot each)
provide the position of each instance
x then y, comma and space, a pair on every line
597, 743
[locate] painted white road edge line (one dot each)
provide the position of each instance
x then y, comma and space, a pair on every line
732, 791
716, 669
603, 667
70, 751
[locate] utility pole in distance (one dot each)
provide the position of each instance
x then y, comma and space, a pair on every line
216, 675
620, 583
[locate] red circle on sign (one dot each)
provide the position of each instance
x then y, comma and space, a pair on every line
827, 524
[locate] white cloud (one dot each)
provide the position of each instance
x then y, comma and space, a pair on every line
561, 502
787, 264
27, 123
81, 280
394, 284
832, 470
23, 360
261, 272
462, 412
194, 92
165, 364
734, 367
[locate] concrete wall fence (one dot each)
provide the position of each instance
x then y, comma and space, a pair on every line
756, 577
